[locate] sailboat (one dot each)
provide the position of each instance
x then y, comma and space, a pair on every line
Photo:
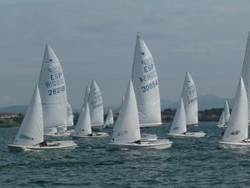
126, 132
52, 88
190, 100
224, 117
179, 125
146, 85
96, 105
109, 119
31, 132
245, 74
236, 133
83, 126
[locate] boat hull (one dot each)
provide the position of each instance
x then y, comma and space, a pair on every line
50, 145
156, 144
58, 134
148, 137
94, 135
189, 134
234, 144
150, 125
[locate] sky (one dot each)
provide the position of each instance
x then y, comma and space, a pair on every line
95, 39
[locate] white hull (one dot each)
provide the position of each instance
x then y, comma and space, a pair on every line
156, 144
96, 125
94, 135
148, 137
221, 125
151, 124
189, 134
50, 145
59, 134
193, 125
235, 144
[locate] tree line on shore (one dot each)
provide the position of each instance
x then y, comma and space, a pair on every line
167, 116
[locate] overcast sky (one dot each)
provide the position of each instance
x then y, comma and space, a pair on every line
95, 39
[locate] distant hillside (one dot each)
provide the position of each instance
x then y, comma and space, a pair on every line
205, 102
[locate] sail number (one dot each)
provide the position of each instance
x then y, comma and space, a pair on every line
149, 86
56, 90
148, 68
56, 76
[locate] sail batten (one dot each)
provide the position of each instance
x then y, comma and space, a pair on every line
146, 85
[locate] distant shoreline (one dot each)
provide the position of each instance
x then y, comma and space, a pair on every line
8, 119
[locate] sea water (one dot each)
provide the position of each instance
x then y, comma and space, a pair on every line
191, 162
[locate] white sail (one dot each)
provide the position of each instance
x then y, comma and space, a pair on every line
127, 128
237, 129
226, 112
190, 99
31, 130
146, 85
53, 91
179, 125
70, 116
86, 96
83, 126
96, 105
109, 119
222, 122
246, 72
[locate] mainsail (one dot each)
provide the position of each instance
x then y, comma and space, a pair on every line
96, 105
53, 91
190, 99
31, 129
127, 128
109, 119
146, 85
83, 126
179, 125
237, 129
70, 116
222, 122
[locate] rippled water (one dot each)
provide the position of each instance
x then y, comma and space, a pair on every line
189, 163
